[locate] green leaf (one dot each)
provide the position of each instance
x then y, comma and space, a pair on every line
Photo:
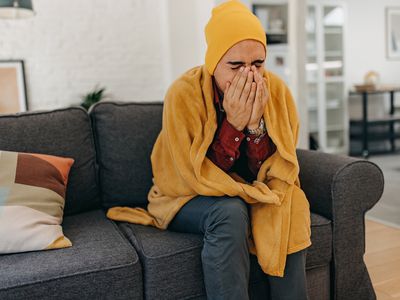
96, 95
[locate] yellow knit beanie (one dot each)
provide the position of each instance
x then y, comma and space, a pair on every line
230, 23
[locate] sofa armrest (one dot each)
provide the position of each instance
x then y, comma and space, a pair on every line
343, 189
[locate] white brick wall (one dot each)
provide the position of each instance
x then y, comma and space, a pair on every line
70, 46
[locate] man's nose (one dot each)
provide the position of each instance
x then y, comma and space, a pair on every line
250, 66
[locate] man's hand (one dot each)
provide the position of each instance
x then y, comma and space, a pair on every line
260, 100
239, 97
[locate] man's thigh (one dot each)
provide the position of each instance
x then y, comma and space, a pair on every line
191, 217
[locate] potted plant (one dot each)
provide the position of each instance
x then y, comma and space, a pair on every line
96, 95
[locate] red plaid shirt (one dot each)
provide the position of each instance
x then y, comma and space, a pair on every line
227, 146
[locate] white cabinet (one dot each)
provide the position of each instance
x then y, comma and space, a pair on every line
325, 69
273, 15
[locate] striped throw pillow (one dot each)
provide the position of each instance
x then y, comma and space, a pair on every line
32, 198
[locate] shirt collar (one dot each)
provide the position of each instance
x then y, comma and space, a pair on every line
218, 98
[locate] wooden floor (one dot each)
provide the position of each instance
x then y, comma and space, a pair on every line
382, 257
387, 208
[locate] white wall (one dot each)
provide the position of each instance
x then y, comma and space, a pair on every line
367, 41
366, 50
187, 20
70, 46
138, 47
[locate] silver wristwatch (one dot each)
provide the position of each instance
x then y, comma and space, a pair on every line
260, 130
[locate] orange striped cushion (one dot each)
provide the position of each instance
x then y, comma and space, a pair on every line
32, 198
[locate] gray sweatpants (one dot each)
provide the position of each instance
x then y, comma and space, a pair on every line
224, 222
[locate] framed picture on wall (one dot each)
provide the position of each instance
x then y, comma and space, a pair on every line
393, 32
13, 97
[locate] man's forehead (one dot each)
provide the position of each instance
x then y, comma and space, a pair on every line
244, 56
246, 50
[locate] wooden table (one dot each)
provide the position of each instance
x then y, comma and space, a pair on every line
390, 119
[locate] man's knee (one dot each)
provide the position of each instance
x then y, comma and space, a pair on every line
230, 212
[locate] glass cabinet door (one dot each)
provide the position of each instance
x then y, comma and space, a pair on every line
312, 77
333, 65
333, 41
325, 75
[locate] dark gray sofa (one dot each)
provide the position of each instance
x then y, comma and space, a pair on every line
115, 260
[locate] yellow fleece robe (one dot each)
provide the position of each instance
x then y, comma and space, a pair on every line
280, 215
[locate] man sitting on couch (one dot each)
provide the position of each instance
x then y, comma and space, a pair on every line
219, 172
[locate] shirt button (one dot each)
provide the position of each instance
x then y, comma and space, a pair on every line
248, 139
260, 162
231, 158
236, 139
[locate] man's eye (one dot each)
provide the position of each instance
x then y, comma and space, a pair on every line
235, 68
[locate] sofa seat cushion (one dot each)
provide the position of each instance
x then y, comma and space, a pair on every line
172, 260
101, 263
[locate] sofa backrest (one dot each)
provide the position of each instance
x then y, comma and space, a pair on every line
62, 132
124, 136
